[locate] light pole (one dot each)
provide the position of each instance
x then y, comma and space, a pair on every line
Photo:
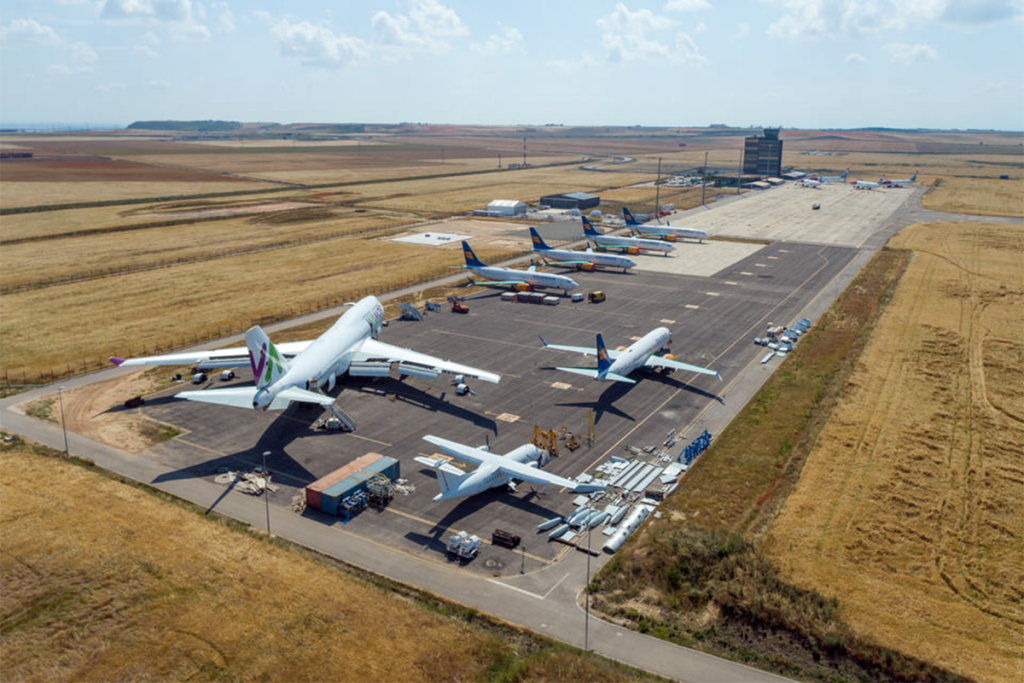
586, 623
522, 567
266, 488
60, 396
704, 179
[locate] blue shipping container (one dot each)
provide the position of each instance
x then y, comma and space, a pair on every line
330, 499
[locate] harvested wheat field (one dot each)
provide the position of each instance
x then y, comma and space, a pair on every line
909, 508
986, 197
98, 589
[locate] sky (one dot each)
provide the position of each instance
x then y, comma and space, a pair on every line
791, 63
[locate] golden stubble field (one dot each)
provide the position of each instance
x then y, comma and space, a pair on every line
986, 197
111, 583
909, 508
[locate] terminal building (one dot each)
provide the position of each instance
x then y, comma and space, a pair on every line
571, 200
762, 155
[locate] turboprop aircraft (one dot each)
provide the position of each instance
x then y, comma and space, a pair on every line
509, 276
665, 232
631, 245
296, 371
492, 470
868, 185
901, 183
584, 260
615, 365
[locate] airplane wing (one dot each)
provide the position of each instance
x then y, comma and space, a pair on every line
242, 397
592, 373
659, 362
371, 349
220, 358
585, 350
567, 263
507, 466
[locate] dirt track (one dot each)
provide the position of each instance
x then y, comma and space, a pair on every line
909, 508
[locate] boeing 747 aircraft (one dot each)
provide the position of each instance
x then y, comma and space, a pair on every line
511, 277
665, 232
631, 245
615, 365
584, 260
296, 371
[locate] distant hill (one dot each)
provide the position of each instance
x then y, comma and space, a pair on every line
190, 126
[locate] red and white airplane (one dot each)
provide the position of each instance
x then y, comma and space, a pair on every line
901, 183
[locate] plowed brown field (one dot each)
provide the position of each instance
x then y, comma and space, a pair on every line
910, 509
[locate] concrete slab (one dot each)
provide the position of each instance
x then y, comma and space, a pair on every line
846, 217
702, 259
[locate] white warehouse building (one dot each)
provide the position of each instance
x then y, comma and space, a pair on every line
506, 207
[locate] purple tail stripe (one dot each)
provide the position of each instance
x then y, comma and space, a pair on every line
116, 361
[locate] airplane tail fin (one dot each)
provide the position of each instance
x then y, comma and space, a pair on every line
588, 229
603, 361
268, 365
845, 173
627, 216
471, 259
913, 178
448, 476
538, 241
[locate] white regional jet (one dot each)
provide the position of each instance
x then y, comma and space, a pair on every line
868, 185
631, 245
665, 232
841, 178
584, 260
901, 183
522, 464
295, 371
510, 276
616, 365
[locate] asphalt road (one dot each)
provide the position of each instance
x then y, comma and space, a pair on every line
545, 600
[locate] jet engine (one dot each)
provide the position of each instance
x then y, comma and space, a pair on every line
524, 287
588, 267
670, 238
633, 250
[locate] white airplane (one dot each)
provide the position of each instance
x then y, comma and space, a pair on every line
809, 182
492, 470
867, 185
901, 183
631, 245
616, 365
509, 276
841, 178
665, 232
296, 371
584, 260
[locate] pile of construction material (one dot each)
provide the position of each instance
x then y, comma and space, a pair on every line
252, 483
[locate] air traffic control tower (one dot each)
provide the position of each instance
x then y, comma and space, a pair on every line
763, 155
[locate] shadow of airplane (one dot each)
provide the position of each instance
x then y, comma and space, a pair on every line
605, 403
421, 399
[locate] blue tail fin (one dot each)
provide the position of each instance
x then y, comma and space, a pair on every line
603, 361
845, 173
471, 259
913, 178
627, 216
538, 242
588, 229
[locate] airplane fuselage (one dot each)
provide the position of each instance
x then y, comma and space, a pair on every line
604, 260
489, 476
637, 353
545, 280
618, 242
679, 233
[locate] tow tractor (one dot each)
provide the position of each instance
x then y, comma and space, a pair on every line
458, 304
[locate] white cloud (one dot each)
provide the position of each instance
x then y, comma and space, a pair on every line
183, 18
628, 36
902, 53
316, 45
159, 84
508, 41
69, 69
428, 27
569, 65
994, 86
855, 58
29, 31
686, 5
110, 86
742, 31
81, 52
701, 28
225, 18
814, 19
145, 51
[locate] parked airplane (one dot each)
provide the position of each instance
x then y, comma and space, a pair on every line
493, 470
867, 185
901, 183
510, 276
616, 365
296, 371
665, 232
811, 182
841, 178
584, 260
631, 245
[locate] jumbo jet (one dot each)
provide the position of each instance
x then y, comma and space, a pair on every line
901, 183
616, 365
631, 245
867, 185
665, 232
522, 464
583, 260
297, 371
511, 277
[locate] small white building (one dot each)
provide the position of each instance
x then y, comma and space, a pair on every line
506, 207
